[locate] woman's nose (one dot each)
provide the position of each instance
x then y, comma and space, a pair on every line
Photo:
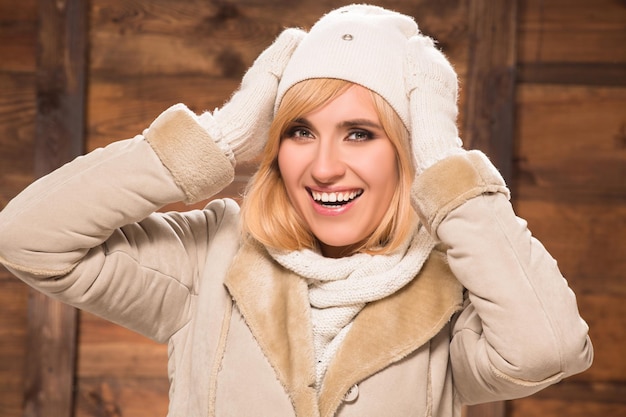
327, 165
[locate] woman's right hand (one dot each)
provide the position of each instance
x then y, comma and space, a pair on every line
242, 124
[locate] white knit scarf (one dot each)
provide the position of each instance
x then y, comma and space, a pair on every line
340, 288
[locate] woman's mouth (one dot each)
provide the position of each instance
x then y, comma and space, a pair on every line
334, 199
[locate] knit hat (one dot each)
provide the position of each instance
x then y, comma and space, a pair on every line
384, 51
359, 43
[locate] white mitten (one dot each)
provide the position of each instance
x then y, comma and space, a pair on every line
432, 87
241, 126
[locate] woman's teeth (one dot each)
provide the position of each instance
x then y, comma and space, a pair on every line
335, 198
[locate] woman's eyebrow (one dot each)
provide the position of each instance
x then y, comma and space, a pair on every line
360, 123
301, 121
344, 124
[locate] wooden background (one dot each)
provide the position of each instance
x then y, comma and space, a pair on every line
543, 92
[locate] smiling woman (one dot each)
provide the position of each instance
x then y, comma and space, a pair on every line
366, 155
376, 268
331, 154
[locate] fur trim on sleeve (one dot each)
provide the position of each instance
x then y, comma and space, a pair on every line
196, 162
451, 182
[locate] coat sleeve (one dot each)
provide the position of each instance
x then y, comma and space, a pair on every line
520, 330
88, 235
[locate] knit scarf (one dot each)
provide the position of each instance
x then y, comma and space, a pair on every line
340, 288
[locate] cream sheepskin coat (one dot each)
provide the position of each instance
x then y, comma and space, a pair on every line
489, 317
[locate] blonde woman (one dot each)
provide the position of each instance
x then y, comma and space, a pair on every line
375, 268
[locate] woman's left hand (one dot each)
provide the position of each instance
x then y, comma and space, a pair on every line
432, 88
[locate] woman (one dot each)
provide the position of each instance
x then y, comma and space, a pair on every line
376, 267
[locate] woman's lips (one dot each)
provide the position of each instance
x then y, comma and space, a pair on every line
335, 197
334, 203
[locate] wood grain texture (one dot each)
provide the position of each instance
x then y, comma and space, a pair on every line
494, 409
116, 397
134, 356
50, 350
13, 299
588, 74
572, 42
534, 406
18, 40
17, 115
583, 391
59, 135
489, 105
571, 142
572, 31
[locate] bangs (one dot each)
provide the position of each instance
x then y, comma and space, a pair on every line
305, 97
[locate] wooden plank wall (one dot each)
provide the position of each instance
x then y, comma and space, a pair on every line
568, 166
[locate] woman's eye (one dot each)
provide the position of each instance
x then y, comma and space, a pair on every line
360, 135
299, 133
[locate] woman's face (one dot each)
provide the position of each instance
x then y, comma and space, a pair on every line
340, 170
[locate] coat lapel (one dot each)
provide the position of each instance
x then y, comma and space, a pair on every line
275, 304
388, 330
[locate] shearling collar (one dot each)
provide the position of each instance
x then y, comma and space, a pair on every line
274, 302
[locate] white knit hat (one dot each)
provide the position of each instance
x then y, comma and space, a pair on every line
359, 43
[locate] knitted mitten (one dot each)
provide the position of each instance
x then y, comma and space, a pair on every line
432, 87
240, 127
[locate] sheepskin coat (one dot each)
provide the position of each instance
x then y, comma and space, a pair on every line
489, 316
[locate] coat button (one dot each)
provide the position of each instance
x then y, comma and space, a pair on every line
352, 394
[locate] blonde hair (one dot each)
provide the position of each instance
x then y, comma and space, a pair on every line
267, 213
